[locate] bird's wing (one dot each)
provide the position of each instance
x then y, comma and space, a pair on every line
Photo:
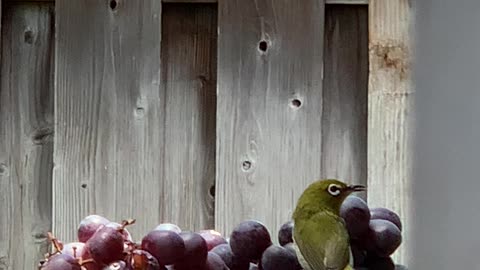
327, 245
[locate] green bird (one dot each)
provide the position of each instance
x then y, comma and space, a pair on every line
319, 233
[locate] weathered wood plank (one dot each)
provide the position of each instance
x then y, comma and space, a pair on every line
269, 112
26, 134
344, 131
390, 112
347, 2
109, 114
189, 72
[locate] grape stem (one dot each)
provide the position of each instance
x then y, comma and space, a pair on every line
126, 223
55, 243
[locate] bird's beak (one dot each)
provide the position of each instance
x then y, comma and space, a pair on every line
355, 188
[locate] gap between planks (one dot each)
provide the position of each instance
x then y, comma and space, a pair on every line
345, 2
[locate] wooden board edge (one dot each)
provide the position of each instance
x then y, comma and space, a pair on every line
344, 2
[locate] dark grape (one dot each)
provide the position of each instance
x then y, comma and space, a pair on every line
168, 227
231, 260
384, 236
249, 239
61, 262
196, 252
290, 248
359, 254
215, 262
285, 233
118, 265
106, 245
89, 225
143, 260
166, 246
253, 267
386, 214
278, 258
213, 238
356, 214
377, 263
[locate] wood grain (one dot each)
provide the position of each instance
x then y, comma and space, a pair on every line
347, 2
109, 114
344, 131
189, 51
269, 112
390, 112
26, 134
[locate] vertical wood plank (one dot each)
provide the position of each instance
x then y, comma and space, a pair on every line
344, 131
26, 133
390, 112
189, 50
109, 114
269, 112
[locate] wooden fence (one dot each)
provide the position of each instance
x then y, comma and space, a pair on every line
200, 114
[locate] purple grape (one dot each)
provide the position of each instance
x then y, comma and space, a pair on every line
356, 214
290, 248
168, 227
106, 245
166, 246
253, 266
196, 252
215, 262
285, 233
379, 263
141, 259
74, 249
231, 260
278, 258
249, 240
118, 265
386, 214
384, 236
61, 262
89, 225
213, 238
359, 255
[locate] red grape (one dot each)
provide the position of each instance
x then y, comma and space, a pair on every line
213, 238
166, 246
106, 245
249, 239
61, 262
126, 235
74, 249
89, 225
285, 233
386, 214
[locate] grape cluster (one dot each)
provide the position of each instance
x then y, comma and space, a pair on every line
375, 234
105, 245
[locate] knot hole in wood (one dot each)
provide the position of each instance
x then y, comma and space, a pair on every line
3, 169
295, 103
263, 46
113, 4
212, 191
246, 165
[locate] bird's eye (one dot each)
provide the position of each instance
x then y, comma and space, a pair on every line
334, 190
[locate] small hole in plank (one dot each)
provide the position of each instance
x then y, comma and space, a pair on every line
113, 4
3, 168
84, 185
246, 165
295, 103
212, 191
263, 46
28, 36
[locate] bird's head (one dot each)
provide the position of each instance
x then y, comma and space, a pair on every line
327, 194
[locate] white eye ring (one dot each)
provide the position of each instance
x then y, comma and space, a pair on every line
334, 190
